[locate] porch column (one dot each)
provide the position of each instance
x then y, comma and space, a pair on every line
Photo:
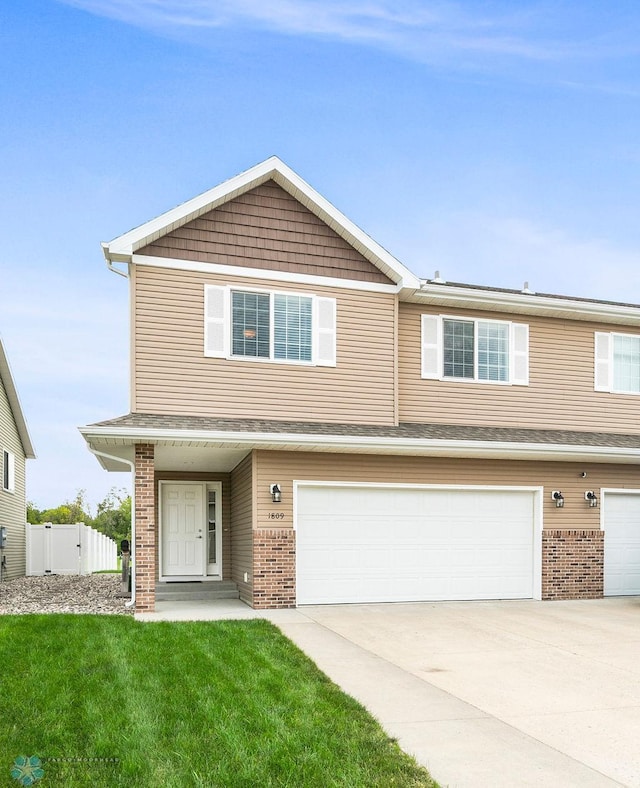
145, 555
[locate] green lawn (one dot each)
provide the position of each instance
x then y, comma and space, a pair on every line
229, 703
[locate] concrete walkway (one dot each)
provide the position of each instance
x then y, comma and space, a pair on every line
485, 693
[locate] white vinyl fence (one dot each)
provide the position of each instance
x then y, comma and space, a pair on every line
74, 549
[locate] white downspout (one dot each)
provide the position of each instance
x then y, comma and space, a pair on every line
111, 267
132, 601
131, 464
109, 261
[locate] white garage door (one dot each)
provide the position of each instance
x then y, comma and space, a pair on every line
621, 516
372, 544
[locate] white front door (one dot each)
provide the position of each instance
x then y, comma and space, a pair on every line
183, 530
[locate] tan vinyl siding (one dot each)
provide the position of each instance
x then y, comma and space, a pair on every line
13, 508
285, 467
242, 527
560, 394
266, 228
173, 376
225, 479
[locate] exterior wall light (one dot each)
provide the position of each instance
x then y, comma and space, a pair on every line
558, 498
591, 497
276, 493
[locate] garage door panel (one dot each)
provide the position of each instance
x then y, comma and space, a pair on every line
394, 544
621, 544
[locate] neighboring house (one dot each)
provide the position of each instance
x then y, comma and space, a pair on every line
314, 422
15, 449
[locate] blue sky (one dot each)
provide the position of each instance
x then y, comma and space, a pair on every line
493, 141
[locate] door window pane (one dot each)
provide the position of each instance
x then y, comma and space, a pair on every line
211, 518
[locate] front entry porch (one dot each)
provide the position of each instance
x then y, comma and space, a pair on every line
183, 531
195, 509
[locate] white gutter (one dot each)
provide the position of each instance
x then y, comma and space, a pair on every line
132, 601
529, 303
374, 444
109, 261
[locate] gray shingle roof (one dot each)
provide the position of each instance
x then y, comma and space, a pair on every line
558, 296
406, 431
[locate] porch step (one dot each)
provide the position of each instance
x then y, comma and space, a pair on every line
185, 592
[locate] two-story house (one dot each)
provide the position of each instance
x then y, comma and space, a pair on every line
15, 449
314, 422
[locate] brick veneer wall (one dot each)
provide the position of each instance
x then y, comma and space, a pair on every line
274, 568
572, 564
145, 556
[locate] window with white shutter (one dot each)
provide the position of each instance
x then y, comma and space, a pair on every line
617, 362
252, 324
469, 349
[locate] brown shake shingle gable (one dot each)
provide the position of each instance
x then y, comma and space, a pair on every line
408, 432
385, 266
266, 228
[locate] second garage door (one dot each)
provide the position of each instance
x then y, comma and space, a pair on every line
397, 544
621, 516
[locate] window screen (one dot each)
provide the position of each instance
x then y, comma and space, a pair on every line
292, 327
626, 363
250, 318
458, 342
493, 351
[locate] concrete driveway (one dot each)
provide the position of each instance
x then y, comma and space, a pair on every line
492, 693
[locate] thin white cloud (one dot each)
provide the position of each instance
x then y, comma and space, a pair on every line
429, 31
622, 91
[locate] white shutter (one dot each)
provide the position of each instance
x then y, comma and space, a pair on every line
216, 329
602, 365
431, 344
324, 332
519, 361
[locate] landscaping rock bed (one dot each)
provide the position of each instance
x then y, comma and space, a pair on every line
63, 594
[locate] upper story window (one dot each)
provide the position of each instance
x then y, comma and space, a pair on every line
617, 362
468, 349
8, 471
270, 326
254, 315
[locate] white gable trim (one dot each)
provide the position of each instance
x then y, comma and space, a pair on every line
263, 273
14, 403
122, 248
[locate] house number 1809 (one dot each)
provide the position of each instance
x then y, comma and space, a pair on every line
275, 516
